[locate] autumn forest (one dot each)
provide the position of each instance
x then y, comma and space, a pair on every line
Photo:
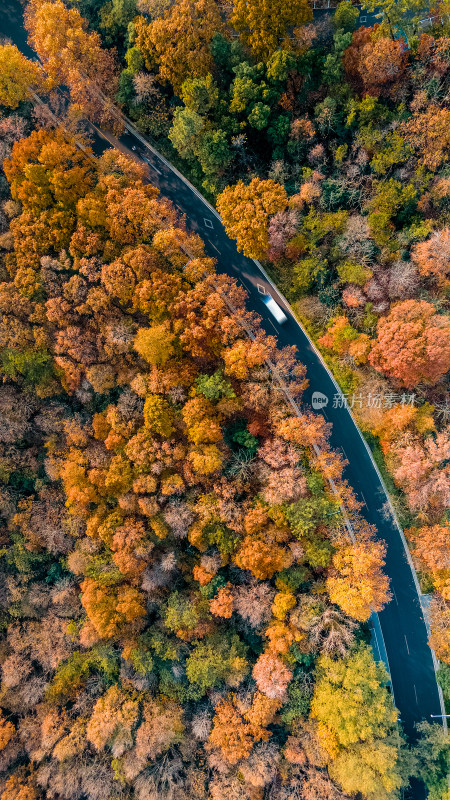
187, 577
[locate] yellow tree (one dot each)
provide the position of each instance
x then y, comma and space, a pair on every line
18, 76
356, 724
110, 609
246, 211
155, 344
357, 583
264, 24
178, 42
350, 701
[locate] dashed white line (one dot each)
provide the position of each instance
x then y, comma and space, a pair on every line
273, 326
341, 450
406, 642
155, 168
395, 596
415, 692
377, 642
149, 163
215, 248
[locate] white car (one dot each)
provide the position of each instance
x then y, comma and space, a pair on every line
274, 309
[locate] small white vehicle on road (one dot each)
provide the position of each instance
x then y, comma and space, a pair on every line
274, 309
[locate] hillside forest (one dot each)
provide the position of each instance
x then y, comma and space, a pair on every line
182, 612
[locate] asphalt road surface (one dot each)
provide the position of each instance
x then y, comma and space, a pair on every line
402, 622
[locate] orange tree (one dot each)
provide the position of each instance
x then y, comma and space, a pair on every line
246, 211
412, 344
72, 55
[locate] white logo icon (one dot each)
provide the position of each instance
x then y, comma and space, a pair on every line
319, 400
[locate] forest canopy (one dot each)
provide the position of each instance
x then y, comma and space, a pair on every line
174, 556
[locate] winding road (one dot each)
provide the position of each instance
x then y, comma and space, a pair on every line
402, 624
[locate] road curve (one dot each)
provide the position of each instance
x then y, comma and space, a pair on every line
402, 622
411, 662
400, 632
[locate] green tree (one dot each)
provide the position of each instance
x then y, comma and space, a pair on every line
35, 366
184, 613
214, 386
280, 64
115, 17
213, 151
200, 94
443, 677
134, 59
259, 116
249, 87
333, 71
401, 15
215, 660
345, 16
184, 133
433, 759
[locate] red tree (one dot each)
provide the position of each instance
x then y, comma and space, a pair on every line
412, 344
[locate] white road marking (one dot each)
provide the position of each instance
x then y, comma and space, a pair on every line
364, 499
273, 326
261, 289
155, 168
376, 640
213, 245
395, 596
415, 692
406, 642
208, 223
147, 161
